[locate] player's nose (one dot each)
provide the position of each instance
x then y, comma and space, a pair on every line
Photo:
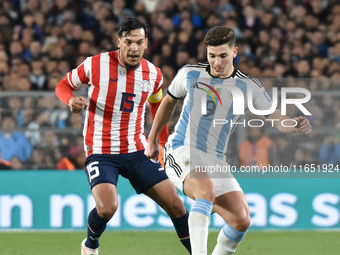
134, 46
218, 61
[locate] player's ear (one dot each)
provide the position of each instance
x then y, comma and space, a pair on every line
235, 50
146, 43
118, 41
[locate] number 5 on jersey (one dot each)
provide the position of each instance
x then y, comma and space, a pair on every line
127, 102
93, 170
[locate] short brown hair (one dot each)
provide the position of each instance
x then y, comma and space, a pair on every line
220, 35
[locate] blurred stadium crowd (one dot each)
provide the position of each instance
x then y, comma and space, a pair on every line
41, 40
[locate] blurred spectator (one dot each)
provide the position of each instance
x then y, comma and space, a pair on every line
303, 69
6, 28
303, 156
37, 76
250, 20
50, 146
30, 6
329, 108
285, 148
75, 120
27, 28
329, 152
156, 40
257, 149
119, 10
270, 6
75, 159
319, 9
149, 5
33, 132
57, 12
4, 164
16, 49
16, 111
168, 75
4, 70
59, 117
186, 15
24, 84
24, 69
16, 163
36, 161
13, 144
182, 58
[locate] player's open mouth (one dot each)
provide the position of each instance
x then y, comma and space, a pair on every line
133, 57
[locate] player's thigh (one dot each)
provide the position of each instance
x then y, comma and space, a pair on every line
177, 165
219, 173
184, 168
225, 185
102, 169
143, 173
199, 187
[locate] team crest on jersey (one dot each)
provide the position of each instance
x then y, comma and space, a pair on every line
186, 161
146, 85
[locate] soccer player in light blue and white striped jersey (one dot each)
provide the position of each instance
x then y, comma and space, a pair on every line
216, 95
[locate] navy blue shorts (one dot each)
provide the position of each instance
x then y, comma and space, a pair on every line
142, 173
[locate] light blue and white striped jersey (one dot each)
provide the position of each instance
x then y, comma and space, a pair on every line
207, 113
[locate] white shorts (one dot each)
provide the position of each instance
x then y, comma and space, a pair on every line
181, 161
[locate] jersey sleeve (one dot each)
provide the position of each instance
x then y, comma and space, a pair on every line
155, 98
157, 93
80, 75
177, 88
260, 98
158, 82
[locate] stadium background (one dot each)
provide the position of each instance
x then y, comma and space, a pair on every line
40, 41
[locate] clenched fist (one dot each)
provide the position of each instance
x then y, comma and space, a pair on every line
77, 104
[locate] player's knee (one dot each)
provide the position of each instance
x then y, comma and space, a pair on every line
107, 211
207, 191
243, 222
175, 208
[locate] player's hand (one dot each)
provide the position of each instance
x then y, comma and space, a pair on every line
303, 125
152, 151
77, 104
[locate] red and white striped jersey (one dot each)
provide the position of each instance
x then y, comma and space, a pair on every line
114, 122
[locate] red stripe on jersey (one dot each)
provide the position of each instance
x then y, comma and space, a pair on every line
124, 124
81, 74
138, 130
158, 80
109, 106
93, 101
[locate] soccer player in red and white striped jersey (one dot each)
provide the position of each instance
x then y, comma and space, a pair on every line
119, 85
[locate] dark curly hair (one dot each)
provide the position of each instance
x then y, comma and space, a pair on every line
130, 24
220, 35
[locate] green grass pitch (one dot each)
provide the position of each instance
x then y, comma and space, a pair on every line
166, 243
